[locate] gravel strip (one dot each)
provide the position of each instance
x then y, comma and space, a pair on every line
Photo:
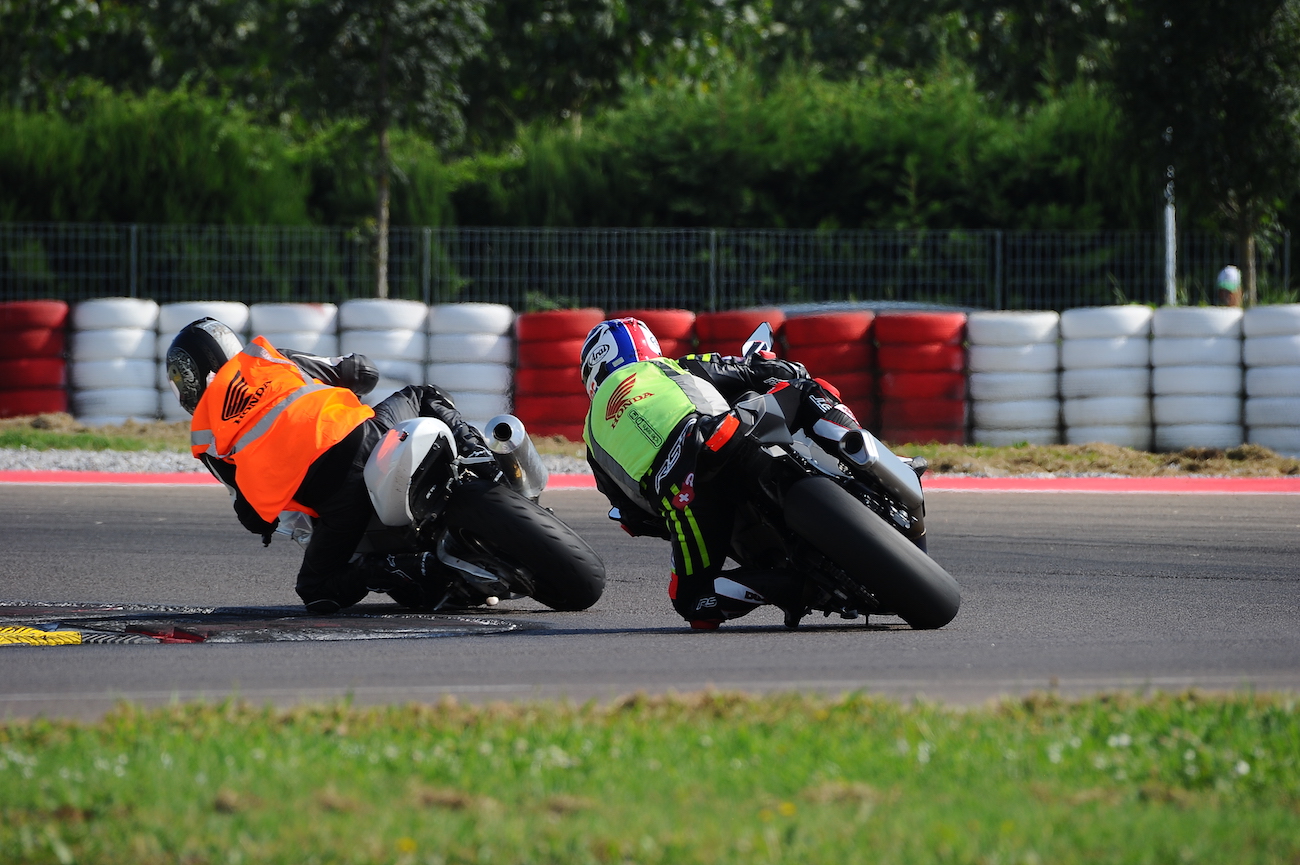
26, 459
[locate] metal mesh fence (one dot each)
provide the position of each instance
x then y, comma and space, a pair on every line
619, 268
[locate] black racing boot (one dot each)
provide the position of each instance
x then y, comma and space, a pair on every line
743, 589
415, 580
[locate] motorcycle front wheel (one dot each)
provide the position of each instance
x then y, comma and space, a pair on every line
873, 554
553, 564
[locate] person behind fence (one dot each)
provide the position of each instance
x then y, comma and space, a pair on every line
285, 430
662, 444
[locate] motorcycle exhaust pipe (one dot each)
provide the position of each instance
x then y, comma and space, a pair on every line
516, 455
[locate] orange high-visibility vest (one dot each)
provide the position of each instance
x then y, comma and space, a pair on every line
264, 415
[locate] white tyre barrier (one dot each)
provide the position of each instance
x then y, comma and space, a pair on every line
1273, 411
1130, 381
1282, 319
470, 377
488, 318
266, 318
1195, 351
405, 371
1040, 357
1106, 322
170, 407
1000, 438
1012, 385
134, 402
116, 373
1136, 436
383, 389
1272, 350
1196, 321
115, 312
1184, 410
312, 342
1273, 381
471, 348
113, 344
373, 313
174, 316
481, 406
1012, 328
1196, 380
1180, 436
1016, 414
1104, 411
1106, 352
1283, 439
391, 344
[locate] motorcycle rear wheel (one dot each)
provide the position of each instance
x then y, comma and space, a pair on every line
875, 556
566, 573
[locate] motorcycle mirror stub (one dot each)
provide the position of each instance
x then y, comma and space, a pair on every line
762, 339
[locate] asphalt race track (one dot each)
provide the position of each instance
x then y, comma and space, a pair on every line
1074, 592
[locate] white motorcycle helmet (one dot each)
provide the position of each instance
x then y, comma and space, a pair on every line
613, 344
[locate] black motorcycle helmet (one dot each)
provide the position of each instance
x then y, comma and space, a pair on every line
198, 351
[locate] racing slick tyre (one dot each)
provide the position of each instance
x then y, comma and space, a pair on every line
493, 525
875, 556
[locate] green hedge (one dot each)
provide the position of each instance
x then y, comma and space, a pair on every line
884, 153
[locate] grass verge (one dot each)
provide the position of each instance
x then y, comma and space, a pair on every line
704, 778
55, 431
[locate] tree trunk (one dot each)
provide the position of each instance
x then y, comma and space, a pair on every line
1246, 253
382, 170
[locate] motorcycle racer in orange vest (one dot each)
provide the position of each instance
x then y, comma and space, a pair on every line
284, 430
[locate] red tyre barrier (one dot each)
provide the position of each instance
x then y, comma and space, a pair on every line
551, 409
864, 410
33, 372
918, 413
827, 360
853, 385
33, 342
27, 314
920, 327
895, 436
725, 331
922, 385
534, 381
16, 403
675, 348
665, 324
557, 324
818, 330
550, 355
929, 357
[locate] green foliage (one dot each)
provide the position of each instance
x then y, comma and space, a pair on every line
887, 152
705, 778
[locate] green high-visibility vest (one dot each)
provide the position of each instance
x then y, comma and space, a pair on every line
633, 412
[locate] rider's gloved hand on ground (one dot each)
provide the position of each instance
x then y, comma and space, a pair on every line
285, 431
660, 436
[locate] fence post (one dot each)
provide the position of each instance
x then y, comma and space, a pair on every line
713, 270
426, 264
133, 280
998, 300
1286, 261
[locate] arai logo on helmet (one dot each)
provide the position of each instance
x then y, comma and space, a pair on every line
598, 352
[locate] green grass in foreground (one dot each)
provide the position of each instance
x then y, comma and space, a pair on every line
700, 779
91, 441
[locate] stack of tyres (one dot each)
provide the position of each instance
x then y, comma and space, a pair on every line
172, 317
1196, 377
1272, 353
309, 327
674, 328
921, 364
33, 373
1014, 377
114, 372
1106, 375
836, 347
726, 332
393, 334
470, 351
549, 395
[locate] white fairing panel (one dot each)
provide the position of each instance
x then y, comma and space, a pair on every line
390, 466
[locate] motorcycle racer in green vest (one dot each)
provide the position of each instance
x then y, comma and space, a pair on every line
662, 444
